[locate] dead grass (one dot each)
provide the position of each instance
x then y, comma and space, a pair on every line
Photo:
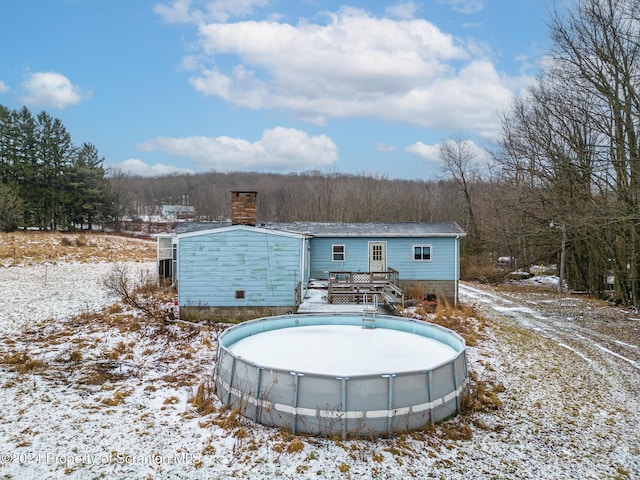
30, 248
22, 363
229, 419
118, 397
295, 446
483, 396
203, 400
463, 320
75, 356
99, 373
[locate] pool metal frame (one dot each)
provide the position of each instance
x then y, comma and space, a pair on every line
328, 405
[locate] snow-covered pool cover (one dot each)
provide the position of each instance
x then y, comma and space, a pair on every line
342, 350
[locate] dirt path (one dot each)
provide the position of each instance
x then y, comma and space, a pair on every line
571, 369
606, 337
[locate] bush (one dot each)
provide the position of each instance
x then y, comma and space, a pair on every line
138, 289
481, 269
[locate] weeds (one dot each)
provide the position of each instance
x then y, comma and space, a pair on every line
30, 248
117, 398
228, 419
139, 290
463, 320
295, 446
22, 363
203, 400
482, 398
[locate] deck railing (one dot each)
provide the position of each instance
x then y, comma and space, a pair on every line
352, 287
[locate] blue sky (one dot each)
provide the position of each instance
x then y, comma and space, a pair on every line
352, 86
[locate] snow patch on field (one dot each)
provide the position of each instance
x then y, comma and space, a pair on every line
107, 395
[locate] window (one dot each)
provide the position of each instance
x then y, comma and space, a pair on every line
376, 253
337, 253
239, 294
422, 253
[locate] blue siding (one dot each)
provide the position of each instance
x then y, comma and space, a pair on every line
214, 265
356, 255
443, 264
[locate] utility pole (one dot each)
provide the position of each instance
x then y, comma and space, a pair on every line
564, 241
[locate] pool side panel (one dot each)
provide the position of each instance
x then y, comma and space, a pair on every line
362, 405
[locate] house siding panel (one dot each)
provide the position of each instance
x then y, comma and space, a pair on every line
213, 266
442, 266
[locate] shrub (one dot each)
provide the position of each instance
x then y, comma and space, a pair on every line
481, 269
138, 289
202, 400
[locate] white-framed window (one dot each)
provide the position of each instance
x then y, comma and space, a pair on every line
422, 253
376, 252
338, 253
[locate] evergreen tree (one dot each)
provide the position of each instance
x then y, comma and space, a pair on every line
24, 166
88, 186
53, 183
54, 159
9, 209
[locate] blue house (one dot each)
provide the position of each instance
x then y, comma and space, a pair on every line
244, 269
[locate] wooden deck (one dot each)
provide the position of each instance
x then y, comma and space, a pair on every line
362, 287
316, 301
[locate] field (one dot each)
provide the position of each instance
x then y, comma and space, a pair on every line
91, 388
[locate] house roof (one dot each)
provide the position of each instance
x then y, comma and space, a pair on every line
219, 227
322, 229
391, 229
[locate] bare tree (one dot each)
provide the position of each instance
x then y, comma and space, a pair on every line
459, 155
572, 144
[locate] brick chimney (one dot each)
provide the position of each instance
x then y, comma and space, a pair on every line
244, 209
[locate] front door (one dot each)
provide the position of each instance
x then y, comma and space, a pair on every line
377, 256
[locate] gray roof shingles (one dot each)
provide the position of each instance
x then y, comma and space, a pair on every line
322, 229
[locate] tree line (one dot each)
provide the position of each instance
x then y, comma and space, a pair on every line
46, 181
570, 149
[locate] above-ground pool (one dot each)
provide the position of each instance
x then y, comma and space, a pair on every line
327, 375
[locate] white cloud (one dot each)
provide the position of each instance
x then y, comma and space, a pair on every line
428, 153
51, 89
354, 65
280, 148
431, 153
3, 87
223, 10
381, 147
178, 12
405, 9
137, 167
467, 7
185, 11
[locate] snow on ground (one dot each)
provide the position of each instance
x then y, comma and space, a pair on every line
343, 350
105, 394
55, 291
